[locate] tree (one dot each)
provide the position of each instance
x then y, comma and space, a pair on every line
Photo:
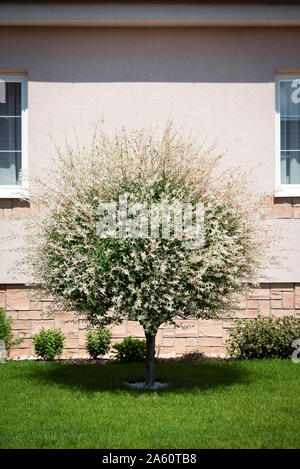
153, 279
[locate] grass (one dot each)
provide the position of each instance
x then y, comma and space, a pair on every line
209, 405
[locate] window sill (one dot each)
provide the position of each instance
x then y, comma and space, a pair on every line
13, 192
288, 190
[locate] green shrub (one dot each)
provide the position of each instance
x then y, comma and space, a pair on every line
263, 338
131, 350
6, 332
98, 342
48, 343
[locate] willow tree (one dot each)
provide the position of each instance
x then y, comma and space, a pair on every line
89, 261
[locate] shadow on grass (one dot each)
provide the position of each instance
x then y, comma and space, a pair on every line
183, 377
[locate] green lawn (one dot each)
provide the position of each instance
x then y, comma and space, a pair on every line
209, 405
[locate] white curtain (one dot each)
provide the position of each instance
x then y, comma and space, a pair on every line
10, 133
290, 133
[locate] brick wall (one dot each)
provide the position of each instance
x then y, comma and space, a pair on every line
283, 207
30, 315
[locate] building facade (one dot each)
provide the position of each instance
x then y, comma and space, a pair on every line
229, 70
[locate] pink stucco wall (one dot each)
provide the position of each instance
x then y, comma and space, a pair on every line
217, 80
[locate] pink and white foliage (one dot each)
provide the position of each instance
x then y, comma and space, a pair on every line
149, 280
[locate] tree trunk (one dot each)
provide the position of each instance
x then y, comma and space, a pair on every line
150, 376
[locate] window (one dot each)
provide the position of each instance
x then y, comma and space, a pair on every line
288, 134
13, 133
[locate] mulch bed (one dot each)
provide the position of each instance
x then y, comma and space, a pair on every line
186, 358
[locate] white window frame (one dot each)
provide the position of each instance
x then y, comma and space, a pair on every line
19, 190
282, 190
